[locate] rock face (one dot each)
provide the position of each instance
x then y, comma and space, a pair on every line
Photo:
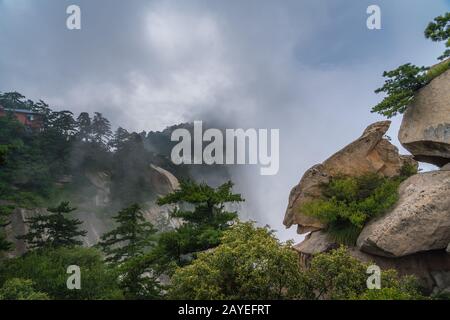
159, 181
102, 183
432, 268
371, 153
162, 180
420, 221
425, 129
18, 227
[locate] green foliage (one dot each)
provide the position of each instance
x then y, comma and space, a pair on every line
139, 278
131, 169
349, 202
334, 275
338, 275
441, 296
403, 82
31, 160
132, 236
127, 248
400, 87
47, 269
5, 211
53, 230
203, 226
20, 289
439, 30
3, 154
14, 100
101, 129
408, 170
250, 263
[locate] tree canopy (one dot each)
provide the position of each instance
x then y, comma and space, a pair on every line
403, 82
53, 230
203, 211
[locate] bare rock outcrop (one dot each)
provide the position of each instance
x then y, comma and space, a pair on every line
425, 129
18, 227
162, 180
102, 183
371, 153
420, 221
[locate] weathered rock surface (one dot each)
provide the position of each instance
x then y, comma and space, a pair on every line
18, 227
371, 153
159, 181
315, 242
425, 129
420, 221
102, 183
162, 180
432, 268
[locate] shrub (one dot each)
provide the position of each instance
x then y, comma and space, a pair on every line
349, 202
21, 289
47, 269
339, 276
250, 263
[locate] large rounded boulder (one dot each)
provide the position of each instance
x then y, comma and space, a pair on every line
425, 129
420, 221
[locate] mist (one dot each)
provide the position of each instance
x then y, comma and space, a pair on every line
308, 68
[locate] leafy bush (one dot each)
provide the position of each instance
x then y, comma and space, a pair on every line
47, 269
21, 289
5, 211
250, 263
349, 202
338, 275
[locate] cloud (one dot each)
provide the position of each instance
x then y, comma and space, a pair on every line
308, 68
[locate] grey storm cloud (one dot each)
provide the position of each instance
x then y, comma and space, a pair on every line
308, 68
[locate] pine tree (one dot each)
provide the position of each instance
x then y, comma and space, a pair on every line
3, 153
53, 230
120, 138
101, 129
84, 126
203, 226
4, 213
132, 236
439, 30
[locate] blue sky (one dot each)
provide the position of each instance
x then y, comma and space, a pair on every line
306, 67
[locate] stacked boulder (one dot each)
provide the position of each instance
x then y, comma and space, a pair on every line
414, 236
425, 129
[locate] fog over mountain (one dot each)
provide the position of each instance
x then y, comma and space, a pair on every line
308, 68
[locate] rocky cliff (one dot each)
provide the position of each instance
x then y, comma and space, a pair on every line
370, 153
95, 221
413, 236
425, 129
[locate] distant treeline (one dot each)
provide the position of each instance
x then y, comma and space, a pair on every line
34, 161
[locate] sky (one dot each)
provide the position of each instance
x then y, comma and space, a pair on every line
306, 67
